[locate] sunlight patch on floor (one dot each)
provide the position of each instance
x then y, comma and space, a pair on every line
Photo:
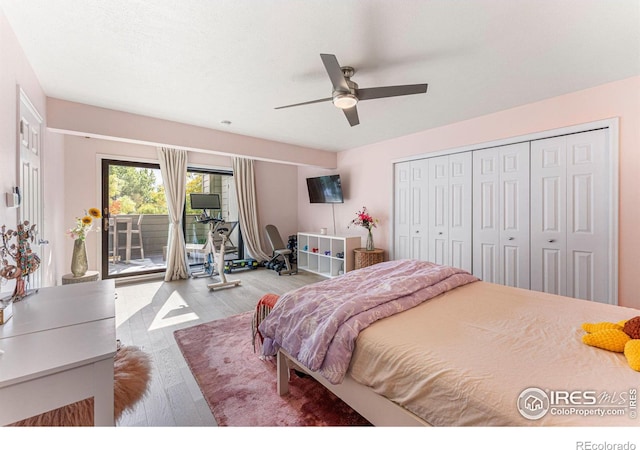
174, 311
129, 301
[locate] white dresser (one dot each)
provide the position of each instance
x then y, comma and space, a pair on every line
57, 349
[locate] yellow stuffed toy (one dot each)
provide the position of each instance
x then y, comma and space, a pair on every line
620, 337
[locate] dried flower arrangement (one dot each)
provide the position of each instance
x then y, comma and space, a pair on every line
25, 261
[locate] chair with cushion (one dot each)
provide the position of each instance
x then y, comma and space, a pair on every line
281, 258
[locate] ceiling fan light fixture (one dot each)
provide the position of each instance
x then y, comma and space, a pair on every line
345, 100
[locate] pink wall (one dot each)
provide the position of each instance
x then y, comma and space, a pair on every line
368, 178
275, 185
277, 194
16, 71
82, 161
86, 120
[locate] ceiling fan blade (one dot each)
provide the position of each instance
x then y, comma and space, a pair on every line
391, 91
306, 103
352, 115
335, 72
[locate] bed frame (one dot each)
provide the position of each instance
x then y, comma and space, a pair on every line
377, 409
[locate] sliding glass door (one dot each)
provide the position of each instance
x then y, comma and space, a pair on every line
136, 221
213, 206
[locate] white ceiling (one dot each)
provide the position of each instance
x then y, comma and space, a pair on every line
202, 62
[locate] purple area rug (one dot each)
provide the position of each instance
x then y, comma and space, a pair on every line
240, 388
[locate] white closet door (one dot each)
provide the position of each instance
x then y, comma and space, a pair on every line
450, 197
501, 215
588, 213
402, 211
570, 216
439, 210
548, 215
460, 211
486, 214
411, 210
514, 262
420, 209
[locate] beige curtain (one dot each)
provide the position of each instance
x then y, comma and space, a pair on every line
243, 176
173, 166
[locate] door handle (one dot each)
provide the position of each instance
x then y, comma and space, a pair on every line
43, 242
551, 240
511, 238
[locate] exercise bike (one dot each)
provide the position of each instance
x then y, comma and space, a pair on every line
219, 261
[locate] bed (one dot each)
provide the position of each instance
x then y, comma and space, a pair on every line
475, 354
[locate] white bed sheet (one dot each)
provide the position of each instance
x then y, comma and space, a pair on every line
465, 357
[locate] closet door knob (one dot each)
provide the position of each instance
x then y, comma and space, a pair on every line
439, 232
511, 238
551, 240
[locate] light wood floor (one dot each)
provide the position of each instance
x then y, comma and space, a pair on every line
147, 314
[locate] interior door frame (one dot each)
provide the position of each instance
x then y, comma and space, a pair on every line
31, 203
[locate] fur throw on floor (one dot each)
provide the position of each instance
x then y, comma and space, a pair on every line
132, 372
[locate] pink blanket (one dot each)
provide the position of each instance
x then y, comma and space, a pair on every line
319, 323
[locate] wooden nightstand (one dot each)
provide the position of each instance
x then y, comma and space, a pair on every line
366, 258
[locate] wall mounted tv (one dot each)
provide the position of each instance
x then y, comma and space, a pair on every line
326, 189
205, 201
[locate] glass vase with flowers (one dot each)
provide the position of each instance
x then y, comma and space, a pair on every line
365, 220
84, 224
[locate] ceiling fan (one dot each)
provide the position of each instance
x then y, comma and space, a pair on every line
346, 93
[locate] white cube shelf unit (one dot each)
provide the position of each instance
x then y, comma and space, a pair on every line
325, 260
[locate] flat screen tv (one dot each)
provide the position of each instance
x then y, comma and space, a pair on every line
326, 189
205, 201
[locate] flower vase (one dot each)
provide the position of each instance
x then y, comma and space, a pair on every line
79, 263
370, 246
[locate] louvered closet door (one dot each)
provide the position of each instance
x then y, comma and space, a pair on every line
501, 215
411, 209
570, 216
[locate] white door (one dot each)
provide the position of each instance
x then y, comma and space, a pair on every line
548, 215
402, 211
411, 210
30, 180
514, 216
460, 210
419, 230
450, 210
439, 210
570, 216
588, 213
486, 214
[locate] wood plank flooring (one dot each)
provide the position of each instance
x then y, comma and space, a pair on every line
147, 314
